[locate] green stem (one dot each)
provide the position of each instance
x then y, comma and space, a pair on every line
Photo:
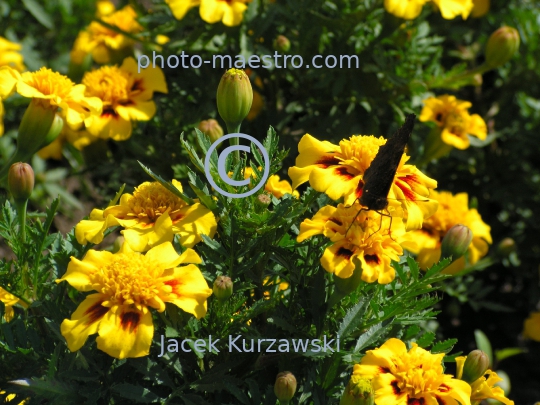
21, 212
233, 129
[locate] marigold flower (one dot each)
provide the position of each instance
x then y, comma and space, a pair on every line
273, 185
453, 210
451, 115
127, 284
103, 43
531, 326
10, 55
230, 12
9, 301
450, 9
365, 235
150, 216
480, 8
126, 95
484, 387
407, 9
11, 397
338, 170
410, 377
180, 8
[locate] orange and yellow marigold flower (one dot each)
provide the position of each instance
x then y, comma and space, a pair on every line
405, 377
126, 95
484, 387
410, 9
453, 119
127, 284
453, 210
230, 12
9, 300
150, 216
10, 55
338, 170
363, 235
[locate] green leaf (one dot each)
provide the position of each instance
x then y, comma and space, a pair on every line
201, 190
508, 352
426, 339
135, 393
169, 186
413, 266
444, 346
117, 196
353, 318
39, 13
193, 156
482, 342
369, 337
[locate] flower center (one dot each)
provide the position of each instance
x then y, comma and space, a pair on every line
49, 83
359, 151
109, 83
130, 279
151, 200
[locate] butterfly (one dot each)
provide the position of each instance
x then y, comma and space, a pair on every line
379, 176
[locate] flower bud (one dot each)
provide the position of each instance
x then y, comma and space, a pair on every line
475, 366
211, 129
34, 128
501, 46
263, 200
358, 392
223, 288
506, 247
285, 387
480, 8
282, 44
21, 181
456, 242
234, 98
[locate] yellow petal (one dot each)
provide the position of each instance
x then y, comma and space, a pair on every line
191, 289
8, 80
138, 111
196, 221
165, 255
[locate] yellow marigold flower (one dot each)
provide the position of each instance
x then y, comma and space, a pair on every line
450, 9
103, 42
338, 170
78, 138
52, 90
484, 387
126, 95
453, 210
230, 12
411, 377
127, 284
180, 8
407, 9
273, 185
365, 235
10, 55
104, 7
531, 327
451, 115
150, 216
9, 301
11, 397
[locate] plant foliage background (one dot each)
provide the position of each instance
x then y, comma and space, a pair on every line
401, 64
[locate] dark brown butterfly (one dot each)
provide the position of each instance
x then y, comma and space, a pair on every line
379, 176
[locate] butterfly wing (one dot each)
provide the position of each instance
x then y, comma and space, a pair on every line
379, 176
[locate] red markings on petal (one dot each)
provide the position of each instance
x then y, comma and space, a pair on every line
342, 171
415, 401
345, 253
395, 387
327, 161
175, 284
384, 370
359, 189
440, 401
109, 112
95, 312
137, 85
336, 221
444, 388
406, 185
130, 321
372, 259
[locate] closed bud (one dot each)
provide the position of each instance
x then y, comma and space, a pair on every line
501, 46
223, 288
263, 200
21, 181
358, 392
34, 128
282, 44
234, 98
506, 247
211, 129
456, 242
475, 366
285, 387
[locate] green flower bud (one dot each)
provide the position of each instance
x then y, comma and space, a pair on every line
234, 98
476, 364
282, 44
501, 46
358, 392
211, 129
223, 288
264, 200
456, 242
285, 387
34, 128
506, 247
21, 181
